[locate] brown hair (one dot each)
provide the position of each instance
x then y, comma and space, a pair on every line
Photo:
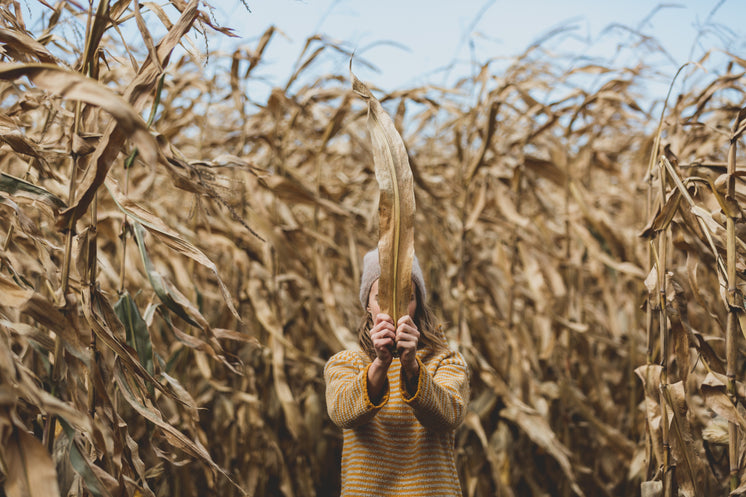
430, 334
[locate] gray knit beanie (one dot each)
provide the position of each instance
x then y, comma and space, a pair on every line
372, 271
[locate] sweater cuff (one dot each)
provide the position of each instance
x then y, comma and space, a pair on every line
420, 378
369, 405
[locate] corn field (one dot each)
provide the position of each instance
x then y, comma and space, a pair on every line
179, 259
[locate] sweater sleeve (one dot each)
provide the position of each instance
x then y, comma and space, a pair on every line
347, 399
441, 398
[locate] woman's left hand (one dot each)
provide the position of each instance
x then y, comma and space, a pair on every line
407, 337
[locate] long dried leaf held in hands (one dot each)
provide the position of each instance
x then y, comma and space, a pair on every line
396, 207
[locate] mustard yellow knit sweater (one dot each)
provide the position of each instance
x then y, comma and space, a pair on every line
404, 446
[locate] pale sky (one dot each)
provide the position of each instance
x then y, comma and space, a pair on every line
413, 42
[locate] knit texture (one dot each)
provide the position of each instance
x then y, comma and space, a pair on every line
372, 271
405, 445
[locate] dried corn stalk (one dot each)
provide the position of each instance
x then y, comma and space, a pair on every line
396, 207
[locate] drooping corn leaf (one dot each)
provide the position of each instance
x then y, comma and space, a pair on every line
105, 324
396, 207
166, 293
73, 85
689, 467
714, 393
136, 94
30, 470
20, 42
538, 429
17, 186
95, 479
169, 236
150, 412
179, 304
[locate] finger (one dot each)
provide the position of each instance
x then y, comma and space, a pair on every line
383, 333
406, 350
407, 333
385, 324
405, 328
383, 340
382, 327
405, 319
384, 318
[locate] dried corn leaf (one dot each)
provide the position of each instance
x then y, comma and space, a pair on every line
293, 416
537, 429
101, 318
715, 395
690, 473
30, 471
20, 42
396, 207
650, 377
12, 294
115, 134
268, 318
170, 237
175, 437
72, 85
341, 337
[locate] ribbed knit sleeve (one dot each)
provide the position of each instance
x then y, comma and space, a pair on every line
442, 393
347, 399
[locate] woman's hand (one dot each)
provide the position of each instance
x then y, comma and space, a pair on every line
383, 335
407, 337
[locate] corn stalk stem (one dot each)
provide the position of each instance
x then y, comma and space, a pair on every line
92, 265
734, 302
664, 343
461, 278
664, 378
64, 285
49, 428
651, 265
515, 187
89, 67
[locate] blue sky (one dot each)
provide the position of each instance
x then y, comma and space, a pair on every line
413, 42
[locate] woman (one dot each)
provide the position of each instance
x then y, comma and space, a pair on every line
398, 415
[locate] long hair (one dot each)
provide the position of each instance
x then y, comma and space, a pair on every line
427, 324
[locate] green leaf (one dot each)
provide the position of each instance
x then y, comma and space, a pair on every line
82, 466
160, 286
16, 186
136, 330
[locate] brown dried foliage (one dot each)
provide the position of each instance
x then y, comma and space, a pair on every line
177, 342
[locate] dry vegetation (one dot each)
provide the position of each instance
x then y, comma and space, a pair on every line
171, 285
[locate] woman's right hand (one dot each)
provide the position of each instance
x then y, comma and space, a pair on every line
383, 335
